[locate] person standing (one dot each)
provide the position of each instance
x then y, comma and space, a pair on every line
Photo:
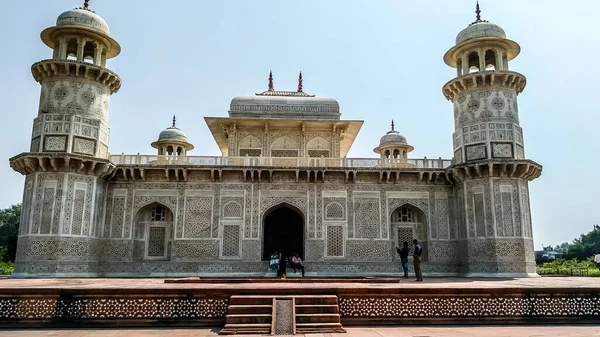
597, 259
282, 265
403, 252
417, 260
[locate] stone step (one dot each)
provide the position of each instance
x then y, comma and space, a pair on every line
318, 318
316, 300
258, 329
250, 309
305, 328
317, 309
248, 319
251, 300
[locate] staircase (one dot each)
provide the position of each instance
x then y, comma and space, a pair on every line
317, 314
287, 314
249, 315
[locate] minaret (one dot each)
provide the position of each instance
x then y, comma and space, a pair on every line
68, 157
490, 168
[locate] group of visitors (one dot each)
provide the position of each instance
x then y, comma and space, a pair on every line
279, 261
404, 252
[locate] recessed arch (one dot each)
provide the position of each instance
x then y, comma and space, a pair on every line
232, 210
334, 211
152, 232
473, 62
283, 230
408, 222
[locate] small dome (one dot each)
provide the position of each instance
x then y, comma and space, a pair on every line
83, 18
480, 30
173, 134
392, 138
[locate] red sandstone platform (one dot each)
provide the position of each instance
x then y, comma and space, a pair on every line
195, 302
546, 283
463, 331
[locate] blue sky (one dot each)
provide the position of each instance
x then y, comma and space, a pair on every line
379, 59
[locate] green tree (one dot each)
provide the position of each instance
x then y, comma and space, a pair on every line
584, 246
9, 230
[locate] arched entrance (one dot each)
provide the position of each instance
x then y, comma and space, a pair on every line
408, 223
283, 231
153, 232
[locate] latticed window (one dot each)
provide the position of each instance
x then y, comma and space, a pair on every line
250, 152
335, 241
232, 209
405, 214
406, 234
334, 211
318, 153
284, 153
159, 213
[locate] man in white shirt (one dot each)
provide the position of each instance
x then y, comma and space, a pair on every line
597, 259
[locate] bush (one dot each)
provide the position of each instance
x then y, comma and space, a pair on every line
7, 268
571, 267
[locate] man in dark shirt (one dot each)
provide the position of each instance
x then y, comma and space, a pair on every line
404, 251
417, 260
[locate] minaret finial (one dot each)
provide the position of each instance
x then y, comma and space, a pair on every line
478, 13
300, 82
392, 125
173, 120
86, 4
271, 87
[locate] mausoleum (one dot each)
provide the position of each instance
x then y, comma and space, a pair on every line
283, 180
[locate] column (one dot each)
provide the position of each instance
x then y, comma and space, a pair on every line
481, 54
499, 64
97, 53
466, 63
80, 45
62, 48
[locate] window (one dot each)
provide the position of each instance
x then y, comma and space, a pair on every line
159, 213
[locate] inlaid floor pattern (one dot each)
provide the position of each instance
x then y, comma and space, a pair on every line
259, 314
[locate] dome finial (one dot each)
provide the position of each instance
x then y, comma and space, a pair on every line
300, 82
86, 4
392, 125
271, 87
173, 120
477, 13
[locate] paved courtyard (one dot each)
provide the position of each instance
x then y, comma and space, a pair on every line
520, 331
430, 283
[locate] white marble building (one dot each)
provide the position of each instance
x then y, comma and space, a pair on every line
283, 180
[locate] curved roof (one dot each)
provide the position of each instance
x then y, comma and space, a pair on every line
479, 30
284, 104
173, 135
82, 19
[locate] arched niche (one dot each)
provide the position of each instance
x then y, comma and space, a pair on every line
283, 230
153, 232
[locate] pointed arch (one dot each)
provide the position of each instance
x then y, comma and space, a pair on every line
318, 143
232, 210
284, 143
250, 142
153, 231
283, 230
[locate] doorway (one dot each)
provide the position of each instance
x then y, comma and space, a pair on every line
283, 231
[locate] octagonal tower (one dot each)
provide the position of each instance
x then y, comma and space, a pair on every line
489, 164
68, 157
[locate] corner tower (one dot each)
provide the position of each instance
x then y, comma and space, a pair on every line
68, 156
489, 165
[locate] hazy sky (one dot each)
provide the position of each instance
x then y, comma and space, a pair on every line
379, 59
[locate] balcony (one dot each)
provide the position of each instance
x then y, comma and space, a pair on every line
306, 162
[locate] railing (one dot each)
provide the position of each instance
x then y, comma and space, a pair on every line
125, 159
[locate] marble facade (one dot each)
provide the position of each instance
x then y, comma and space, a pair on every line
89, 213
